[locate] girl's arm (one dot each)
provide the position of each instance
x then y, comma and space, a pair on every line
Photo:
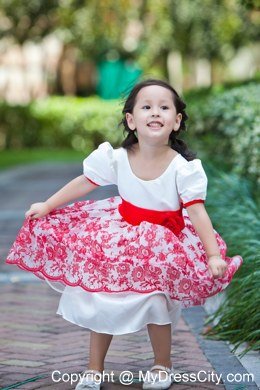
76, 188
202, 223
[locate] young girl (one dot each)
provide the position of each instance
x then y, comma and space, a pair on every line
133, 259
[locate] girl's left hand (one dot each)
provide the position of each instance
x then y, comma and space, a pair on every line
217, 266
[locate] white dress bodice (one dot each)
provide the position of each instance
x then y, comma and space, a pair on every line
182, 181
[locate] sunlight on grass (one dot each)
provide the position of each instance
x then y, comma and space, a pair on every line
10, 158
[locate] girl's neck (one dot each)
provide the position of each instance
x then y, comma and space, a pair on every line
151, 152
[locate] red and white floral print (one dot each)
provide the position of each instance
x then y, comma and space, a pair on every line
88, 244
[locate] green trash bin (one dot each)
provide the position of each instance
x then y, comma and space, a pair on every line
116, 78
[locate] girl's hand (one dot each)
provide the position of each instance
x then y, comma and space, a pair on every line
217, 266
37, 210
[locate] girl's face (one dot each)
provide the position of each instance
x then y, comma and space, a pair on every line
154, 115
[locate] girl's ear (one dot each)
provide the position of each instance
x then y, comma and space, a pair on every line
177, 122
130, 121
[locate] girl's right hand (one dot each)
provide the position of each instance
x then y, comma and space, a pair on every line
37, 210
217, 266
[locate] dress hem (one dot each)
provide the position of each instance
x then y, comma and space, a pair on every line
117, 333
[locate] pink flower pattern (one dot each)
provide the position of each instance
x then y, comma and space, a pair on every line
88, 244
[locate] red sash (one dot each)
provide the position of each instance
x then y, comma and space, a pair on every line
134, 215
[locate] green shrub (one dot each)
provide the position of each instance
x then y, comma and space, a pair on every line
224, 123
60, 122
229, 122
236, 216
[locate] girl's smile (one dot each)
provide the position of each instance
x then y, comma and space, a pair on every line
155, 124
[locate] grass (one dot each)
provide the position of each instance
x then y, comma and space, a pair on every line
11, 158
235, 216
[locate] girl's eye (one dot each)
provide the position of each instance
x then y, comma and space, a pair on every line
147, 107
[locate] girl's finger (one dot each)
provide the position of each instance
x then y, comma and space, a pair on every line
31, 214
28, 213
215, 273
35, 216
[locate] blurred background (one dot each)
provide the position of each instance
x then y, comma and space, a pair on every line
73, 47
66, 65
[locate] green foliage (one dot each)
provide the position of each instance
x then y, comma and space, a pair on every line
157, 38
236, 216
224, 124
23, 20
251, 4
209, 29
232, 119
145, 30
78, 123
95, 27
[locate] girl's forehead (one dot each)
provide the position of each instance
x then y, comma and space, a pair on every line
154, 93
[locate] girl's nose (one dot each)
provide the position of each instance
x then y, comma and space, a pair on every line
155, 114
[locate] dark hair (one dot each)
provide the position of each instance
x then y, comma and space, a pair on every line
175, 143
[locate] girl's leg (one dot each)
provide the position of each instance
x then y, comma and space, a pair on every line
99, 344
161, 339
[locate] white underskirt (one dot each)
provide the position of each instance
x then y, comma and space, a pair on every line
117, 313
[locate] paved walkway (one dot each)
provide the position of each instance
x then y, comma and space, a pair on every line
39, 350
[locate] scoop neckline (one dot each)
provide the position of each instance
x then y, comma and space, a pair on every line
151, 180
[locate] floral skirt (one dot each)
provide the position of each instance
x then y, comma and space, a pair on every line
88, 244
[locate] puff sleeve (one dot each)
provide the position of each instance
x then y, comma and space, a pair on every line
192, 183
99, 168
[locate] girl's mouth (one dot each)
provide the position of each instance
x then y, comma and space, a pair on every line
155, 124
